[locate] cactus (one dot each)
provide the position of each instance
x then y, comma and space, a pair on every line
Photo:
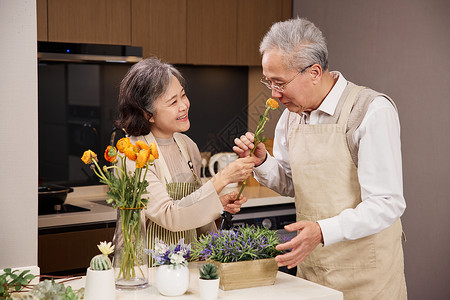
208, 272
102, 262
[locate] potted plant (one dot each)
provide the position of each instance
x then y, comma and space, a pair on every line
172, 274
208, 282
12, 281
100, 283
244, 255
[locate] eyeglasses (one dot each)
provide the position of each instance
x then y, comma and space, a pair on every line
280, 88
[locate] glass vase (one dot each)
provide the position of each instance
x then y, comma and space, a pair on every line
130, 261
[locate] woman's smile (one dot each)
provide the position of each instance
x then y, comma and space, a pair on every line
183, 118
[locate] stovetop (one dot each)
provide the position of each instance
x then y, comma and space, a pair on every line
60, 209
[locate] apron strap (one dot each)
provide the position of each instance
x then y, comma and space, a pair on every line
348, 104
160, 164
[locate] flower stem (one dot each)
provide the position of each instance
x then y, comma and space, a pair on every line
262, 122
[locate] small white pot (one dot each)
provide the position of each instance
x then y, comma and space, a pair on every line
209, 289
172, 280
100, 285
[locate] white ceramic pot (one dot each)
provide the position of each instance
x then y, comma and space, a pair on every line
209, 289
100, 285
172, 280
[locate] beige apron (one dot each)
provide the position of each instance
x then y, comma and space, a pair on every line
326, 182
176, 191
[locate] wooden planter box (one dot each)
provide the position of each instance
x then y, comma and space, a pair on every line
246, 274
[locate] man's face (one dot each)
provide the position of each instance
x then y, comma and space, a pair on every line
298, 94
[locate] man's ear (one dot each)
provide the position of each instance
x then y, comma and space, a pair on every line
316, 73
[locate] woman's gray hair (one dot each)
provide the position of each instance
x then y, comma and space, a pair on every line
300, 41
154, 78
145, 82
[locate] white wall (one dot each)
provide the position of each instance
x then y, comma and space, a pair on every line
18, 134
402, 48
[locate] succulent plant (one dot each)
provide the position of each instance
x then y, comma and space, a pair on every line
208, 271
102, 262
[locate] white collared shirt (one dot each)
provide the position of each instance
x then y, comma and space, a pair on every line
379, 168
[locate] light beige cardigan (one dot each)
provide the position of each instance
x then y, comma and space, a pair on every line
198, 210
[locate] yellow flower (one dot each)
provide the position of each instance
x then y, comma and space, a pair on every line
110, 154
106, 248
88, 157
142, 145
122, 144
131, 152
142, 158
154, 151
272, 103
151, 158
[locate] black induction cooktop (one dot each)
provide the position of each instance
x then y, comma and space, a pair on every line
60, 209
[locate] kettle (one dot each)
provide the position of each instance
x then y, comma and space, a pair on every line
222, 159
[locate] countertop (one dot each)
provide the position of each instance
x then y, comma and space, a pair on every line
286, 287
93, 198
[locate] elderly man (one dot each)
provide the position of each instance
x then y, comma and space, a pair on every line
337, 150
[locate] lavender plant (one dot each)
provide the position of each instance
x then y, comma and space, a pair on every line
247, 242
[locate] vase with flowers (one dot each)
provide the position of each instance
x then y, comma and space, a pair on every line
172, 274
244, 255
127, 185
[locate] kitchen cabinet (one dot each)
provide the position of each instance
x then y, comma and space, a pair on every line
203, 32
212, 32
41, 15
159, 27
68, 250
253, 20
87, 21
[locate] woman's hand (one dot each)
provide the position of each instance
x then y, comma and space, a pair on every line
230, 204
244, 145
236, 171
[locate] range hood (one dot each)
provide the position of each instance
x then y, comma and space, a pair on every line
75, 52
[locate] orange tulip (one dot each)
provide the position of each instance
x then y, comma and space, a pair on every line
122, 144
142, 158
110, 154
89, 156
131, 152
142, 145
154, 150
272, 103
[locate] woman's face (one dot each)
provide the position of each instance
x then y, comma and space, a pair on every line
171, 111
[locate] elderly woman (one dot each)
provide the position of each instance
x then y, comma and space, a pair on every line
153, 107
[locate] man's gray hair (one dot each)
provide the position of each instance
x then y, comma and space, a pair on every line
300, 41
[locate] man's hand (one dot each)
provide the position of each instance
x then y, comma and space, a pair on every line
244, 145
308, 237
230, 205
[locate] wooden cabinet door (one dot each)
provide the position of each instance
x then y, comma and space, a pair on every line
255, 17
70, 251
211, 32
90, 21
41, 13
159, 27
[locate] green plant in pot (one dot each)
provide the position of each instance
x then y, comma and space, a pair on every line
100, 282
208, 282
244, 255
